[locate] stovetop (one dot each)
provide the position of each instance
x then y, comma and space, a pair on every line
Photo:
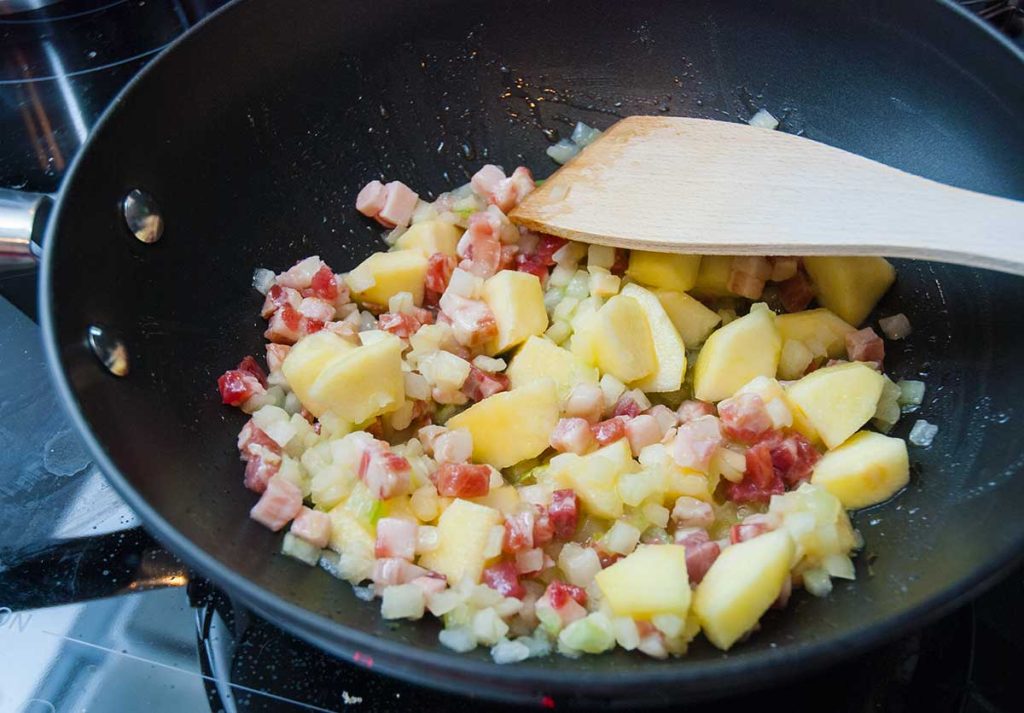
96, 616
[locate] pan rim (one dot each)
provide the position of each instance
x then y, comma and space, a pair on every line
438, 668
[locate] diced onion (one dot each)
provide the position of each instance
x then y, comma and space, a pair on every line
402, 601
579, 285
494, 541
365, 594
600, 256
360, 281
656, 514
488, 364
263, 280
627, 635
621, 539
401, 302
583, 135
923, 433
506, 651
459, 639
602, 282
300, 549
558, 332
465, 284
579, 564
569, 254
911, 394
817, 582
763, 120
669, 624
612, 389
896, 326
488, 627
416, 387
562, 151
444, 601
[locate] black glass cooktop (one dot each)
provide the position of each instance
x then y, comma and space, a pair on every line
96, 616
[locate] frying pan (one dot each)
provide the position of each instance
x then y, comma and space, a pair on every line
252, 135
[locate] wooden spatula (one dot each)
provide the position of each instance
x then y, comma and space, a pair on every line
711, 187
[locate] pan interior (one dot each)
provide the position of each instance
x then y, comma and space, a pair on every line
254, 136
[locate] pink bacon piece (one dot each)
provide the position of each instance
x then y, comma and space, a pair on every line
701, 552
695, 442
386, 474
504, 579
610, 430
391, 204
691, 410
472, 321
396, 538
865, 345
463, 480
572, 435
279, 504
744, 417
312, 526
480, 384
642, 431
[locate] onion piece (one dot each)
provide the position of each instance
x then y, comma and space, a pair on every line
562, 151
896, 326
763, 119
263, 280
923, 433
506, 651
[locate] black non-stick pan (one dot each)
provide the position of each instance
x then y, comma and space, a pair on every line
252, 135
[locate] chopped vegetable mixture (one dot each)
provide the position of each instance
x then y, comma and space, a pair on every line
560, 447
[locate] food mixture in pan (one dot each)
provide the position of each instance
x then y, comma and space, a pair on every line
559, 447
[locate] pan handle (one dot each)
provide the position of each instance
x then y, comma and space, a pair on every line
22, 221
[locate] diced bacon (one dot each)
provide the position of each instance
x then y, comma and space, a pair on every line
865, 345
508, 258
784, 268
386, 474
752, 526
695, 442
399, 204
259, 469
277, 297
626, 406
396, 538
691, 512
300, 275
531, 561
486, 180
428, 435
316, 309
431, 583
744, 417
461, 480
509, 192
560, 593
285, 326
276, 354
564, 513
747, 276
547, 246
533, 265
370, 200
439, 272
610, 430
585, 401
313, 526
389, 571
252, 441
519, 531
399, 324
642, 431
279, 504
793, 457
796, 292
543, 528
325, 285
760, 481
237, 386
250, 366
701, 553
504, 578
345, 330
665, 417
473, 323
453, 446
690, 410
621, 262
482, 254
572, 435
479, 384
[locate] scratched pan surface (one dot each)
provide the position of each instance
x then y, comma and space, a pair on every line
254, 134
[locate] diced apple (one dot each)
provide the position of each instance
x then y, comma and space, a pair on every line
837, 400
669, 349
674, 272
307, 359
429, 237
622, 342
366, 382
595, 476
649, 582
512, 426
794, 360
517, 301
463, 532
736, 353
692, 319
850, 286
539, 358
389, 273
817, 329
713, 276
355, 544
740, 586
504, 499
865, 470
